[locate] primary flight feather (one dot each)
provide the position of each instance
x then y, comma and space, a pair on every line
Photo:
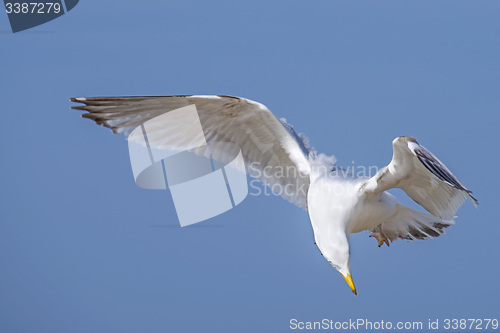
338, 203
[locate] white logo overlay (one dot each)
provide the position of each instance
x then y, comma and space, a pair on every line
205, 179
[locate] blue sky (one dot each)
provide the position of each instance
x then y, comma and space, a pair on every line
83, 249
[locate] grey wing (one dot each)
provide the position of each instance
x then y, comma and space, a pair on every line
423, 177
434, 165
268, 146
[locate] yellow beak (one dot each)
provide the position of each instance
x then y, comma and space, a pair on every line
350, 282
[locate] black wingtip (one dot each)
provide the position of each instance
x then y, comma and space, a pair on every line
78, 99
474, 200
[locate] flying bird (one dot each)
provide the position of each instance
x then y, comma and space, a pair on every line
338, 202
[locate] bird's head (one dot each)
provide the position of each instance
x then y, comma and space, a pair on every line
344, 268
338, 255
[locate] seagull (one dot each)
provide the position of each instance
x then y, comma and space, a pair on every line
338, 202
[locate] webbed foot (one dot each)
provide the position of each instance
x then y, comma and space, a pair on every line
381, 238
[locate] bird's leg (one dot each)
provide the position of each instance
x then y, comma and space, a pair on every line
380, 236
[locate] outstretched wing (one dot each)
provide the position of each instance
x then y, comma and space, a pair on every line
271, 149
423, 177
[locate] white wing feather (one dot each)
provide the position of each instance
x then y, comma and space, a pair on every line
264, 141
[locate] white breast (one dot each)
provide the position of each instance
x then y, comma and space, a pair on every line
336, 203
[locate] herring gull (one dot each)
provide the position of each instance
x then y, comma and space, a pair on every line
338, 203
